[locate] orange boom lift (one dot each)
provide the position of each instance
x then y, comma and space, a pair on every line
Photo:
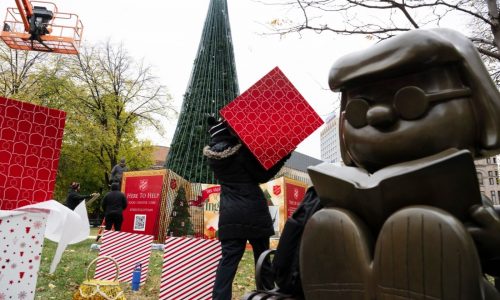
39, 26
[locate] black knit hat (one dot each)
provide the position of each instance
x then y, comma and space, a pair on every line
115, 186
219, 131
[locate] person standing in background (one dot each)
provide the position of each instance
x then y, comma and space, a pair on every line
113, 204
74, 198
117, 172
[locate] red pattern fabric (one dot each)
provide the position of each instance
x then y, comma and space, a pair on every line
30, 143
271, 118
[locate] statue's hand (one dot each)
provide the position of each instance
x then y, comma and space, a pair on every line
486, 233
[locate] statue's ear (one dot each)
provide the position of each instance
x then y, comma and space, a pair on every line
346, 158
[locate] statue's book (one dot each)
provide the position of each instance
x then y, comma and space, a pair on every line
446, 180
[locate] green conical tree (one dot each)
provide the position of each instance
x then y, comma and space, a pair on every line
213, 84
180, 219
268, 198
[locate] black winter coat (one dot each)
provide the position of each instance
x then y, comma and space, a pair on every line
244, 213
74, 198
114, 202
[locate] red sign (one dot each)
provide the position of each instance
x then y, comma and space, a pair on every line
144, 196
31, 138
293, 196
271, 118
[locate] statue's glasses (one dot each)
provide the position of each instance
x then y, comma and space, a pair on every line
410, 103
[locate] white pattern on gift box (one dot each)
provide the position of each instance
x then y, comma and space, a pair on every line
21, 240
31, 138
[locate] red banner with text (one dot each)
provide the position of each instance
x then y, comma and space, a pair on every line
143, 190
294, 193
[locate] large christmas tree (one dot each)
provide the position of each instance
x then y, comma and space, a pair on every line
213, 84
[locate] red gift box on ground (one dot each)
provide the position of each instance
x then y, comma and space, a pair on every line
127, 249
189, 266
30, 143
271, 118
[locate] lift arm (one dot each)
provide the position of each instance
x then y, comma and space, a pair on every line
26, 11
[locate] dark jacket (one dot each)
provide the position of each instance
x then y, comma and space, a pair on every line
243, 207
114, 202
74, 198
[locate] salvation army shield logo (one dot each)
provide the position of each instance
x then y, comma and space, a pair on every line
276, 190
173, 184
143, 185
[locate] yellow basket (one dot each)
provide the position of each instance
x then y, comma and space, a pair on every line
93, 289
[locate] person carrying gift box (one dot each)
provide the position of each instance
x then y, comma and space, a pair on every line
244, 215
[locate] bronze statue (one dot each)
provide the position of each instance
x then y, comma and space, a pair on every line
405, 218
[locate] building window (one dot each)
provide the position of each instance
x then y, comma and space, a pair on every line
494, 160
498, 194
488, 161
493, 196
492, 182
480, 178
490, 173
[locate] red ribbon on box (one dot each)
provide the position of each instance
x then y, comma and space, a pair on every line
204, 195
271, 118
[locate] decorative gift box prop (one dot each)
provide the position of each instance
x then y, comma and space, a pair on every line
144, 192
181, 212
189, 266
211, 197
271, 118
22, 233
31, 138
127, 249
283, 197
64, 226
93, 289
21, 240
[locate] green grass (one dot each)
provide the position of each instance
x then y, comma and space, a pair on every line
71, 272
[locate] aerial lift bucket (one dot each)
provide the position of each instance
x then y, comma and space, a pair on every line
63, 34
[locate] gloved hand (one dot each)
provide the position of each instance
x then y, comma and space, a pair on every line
221, 146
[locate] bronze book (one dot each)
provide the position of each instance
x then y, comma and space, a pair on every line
446, 180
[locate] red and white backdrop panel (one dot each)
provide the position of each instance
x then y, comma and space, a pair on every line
189, 266
127, 249
21, 240
30, 143
271, 117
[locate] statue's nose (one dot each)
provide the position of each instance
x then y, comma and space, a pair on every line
380, 116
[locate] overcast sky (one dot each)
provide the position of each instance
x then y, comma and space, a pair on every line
166, 35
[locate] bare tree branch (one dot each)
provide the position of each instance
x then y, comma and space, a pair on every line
385, 18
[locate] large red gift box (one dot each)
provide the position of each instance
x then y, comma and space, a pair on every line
30, 143
271, 118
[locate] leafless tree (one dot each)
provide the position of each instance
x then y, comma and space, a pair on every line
384, 18
15, 69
